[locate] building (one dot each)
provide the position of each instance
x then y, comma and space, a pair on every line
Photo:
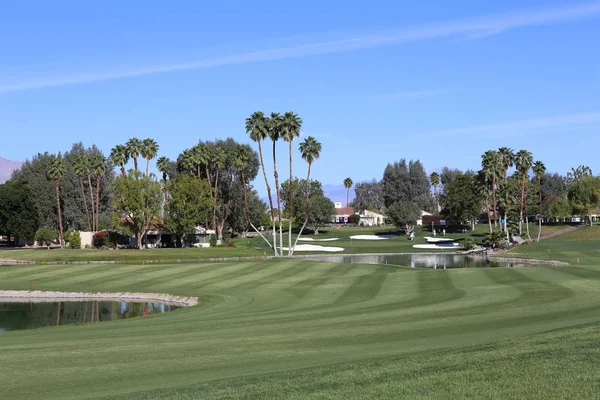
371, 218
342, 213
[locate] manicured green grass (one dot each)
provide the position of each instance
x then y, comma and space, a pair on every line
296, 328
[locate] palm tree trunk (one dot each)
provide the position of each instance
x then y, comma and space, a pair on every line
347, 195
92, 201
276, 175
539, 208
214, 219
147, 165
87, 212
307, 208
135, 163
123, 172
291, 203
487, 206
60, 226
522, 205
98, 177
247, 213
262, 164
494, 204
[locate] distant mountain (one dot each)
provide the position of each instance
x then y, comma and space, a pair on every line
7, 167
337, 193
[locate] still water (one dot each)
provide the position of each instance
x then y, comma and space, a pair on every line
16, 316
435, 261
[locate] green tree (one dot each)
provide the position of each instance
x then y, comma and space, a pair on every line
80, 169
404, 214
134, 147
578, 173
257, 128
508, 159
163, 164
18, 216
508, 200
461, 200
434, 177
348, 185
483, 188
119, 157
368, 196
523, 163
136, 203
584, 195
188, 206
149, 151
407, 182
559, 208
539, 169
46, 236
320, 209
56, 172
99, 167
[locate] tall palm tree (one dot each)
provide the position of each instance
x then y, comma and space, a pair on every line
56, 171
491, 164
134, 148
434, 177
186, 161
523, 163
256, 127
217, 159
484, 185
149, 151
200, 158
120, 156
99, 166
292, 124
274, 132
507, 200
81, 170
310, 149
240, 161
86, 162
163, 165
508, 159
348, 185
539, 169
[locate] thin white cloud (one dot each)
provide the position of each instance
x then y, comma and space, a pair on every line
521, 127
479, 27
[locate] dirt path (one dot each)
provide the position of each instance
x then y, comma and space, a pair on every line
562, 231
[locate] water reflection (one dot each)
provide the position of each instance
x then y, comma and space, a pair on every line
435, 261
16, 316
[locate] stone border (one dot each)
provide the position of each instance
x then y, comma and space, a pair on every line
527, 261
14, 296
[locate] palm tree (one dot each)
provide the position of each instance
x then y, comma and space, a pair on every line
491, 164
217, 158
119, 156
434, 177
523, 162
200, 157
506, 200
134, 148
508, 159
274, 132
86, 162
310, 149
149, 151
348, 184
81, 170
163, 164
57, 171
539, 169
186, 161
99, 166
483, 188
292, 124
256, 126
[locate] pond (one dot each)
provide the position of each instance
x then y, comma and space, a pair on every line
16, 316
435, 261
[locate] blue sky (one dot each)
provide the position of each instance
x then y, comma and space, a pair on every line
373, 81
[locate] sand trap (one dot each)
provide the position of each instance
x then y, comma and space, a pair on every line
317, 240
314, 247
18, 296
439, 246
437, 240
372, 237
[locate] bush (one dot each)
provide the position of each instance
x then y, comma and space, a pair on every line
46, 236
212, 240
354, 219
105, 239
468, 243
74, 240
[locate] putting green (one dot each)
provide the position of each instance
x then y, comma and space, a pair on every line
261, 319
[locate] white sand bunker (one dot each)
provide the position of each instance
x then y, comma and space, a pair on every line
314, 247
317, 240
12, 296
372, 237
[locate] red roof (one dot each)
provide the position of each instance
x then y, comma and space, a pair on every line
344, 211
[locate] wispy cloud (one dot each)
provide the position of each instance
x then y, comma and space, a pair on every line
479, 27
411, 94
522, 127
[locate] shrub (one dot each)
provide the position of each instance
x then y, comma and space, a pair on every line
74, 240
46, 236
354, 219
212, 240
105, 239
468, 243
